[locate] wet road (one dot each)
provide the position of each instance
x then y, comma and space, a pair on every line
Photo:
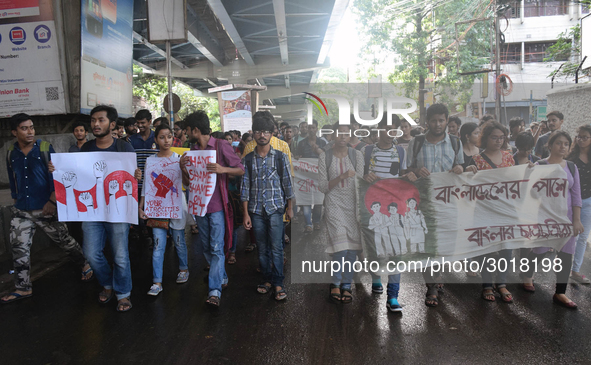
64, 324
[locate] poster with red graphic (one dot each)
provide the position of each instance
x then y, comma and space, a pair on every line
202, 182
163, 188
305, 182
96, 187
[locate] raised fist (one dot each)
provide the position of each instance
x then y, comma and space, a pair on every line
128, 187
69, 179
100, 167
86, 199
163, 184
113, 187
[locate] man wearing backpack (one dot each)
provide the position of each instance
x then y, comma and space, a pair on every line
435, 151
32, 189
266, 194
385, 160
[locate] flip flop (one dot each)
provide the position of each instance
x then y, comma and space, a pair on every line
86, 272
16, 296
122, 304
104, 294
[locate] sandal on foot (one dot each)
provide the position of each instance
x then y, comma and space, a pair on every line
506, 297
440, 288
280, 294
213, 301
488, 294
85, 273
16, 296
124, 305
431, 299
231, 259
104, 294
250, 247
529, 287
264, 288
569, 305
346, 296
335, 296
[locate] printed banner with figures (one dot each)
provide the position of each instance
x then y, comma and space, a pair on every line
96, 187
463, 216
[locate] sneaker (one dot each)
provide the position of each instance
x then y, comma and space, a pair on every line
182, 277
155, 290
580, 278
393, 305
377, 288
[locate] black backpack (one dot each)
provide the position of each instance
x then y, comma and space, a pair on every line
419, 141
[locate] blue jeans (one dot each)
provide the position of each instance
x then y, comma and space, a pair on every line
211, 234
582, 239
268, 231
344, 276
312, 216
178, 236
234, 240
393, 286
95, 236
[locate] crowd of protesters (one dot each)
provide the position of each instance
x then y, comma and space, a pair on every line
254, 192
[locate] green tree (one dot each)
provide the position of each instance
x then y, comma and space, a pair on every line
567, 48
421, 34
153, 88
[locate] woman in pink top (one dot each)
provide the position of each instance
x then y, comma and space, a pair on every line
559, 145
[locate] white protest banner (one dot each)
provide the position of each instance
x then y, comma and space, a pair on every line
462, 216
305, 181
96, 187
202, 182
163, 188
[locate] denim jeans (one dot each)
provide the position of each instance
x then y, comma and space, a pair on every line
312, 216
344, 276
234, 240
488, 272
95, 236
582, 239
211, 234
393, 286
268, 230
178, 235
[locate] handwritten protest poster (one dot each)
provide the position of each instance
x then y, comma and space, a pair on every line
96, 187
163, 195
305, 181
462, 216
202, 182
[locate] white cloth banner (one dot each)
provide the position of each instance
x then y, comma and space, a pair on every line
202, 182
462, 216
163, 188
96, 187
305, 182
